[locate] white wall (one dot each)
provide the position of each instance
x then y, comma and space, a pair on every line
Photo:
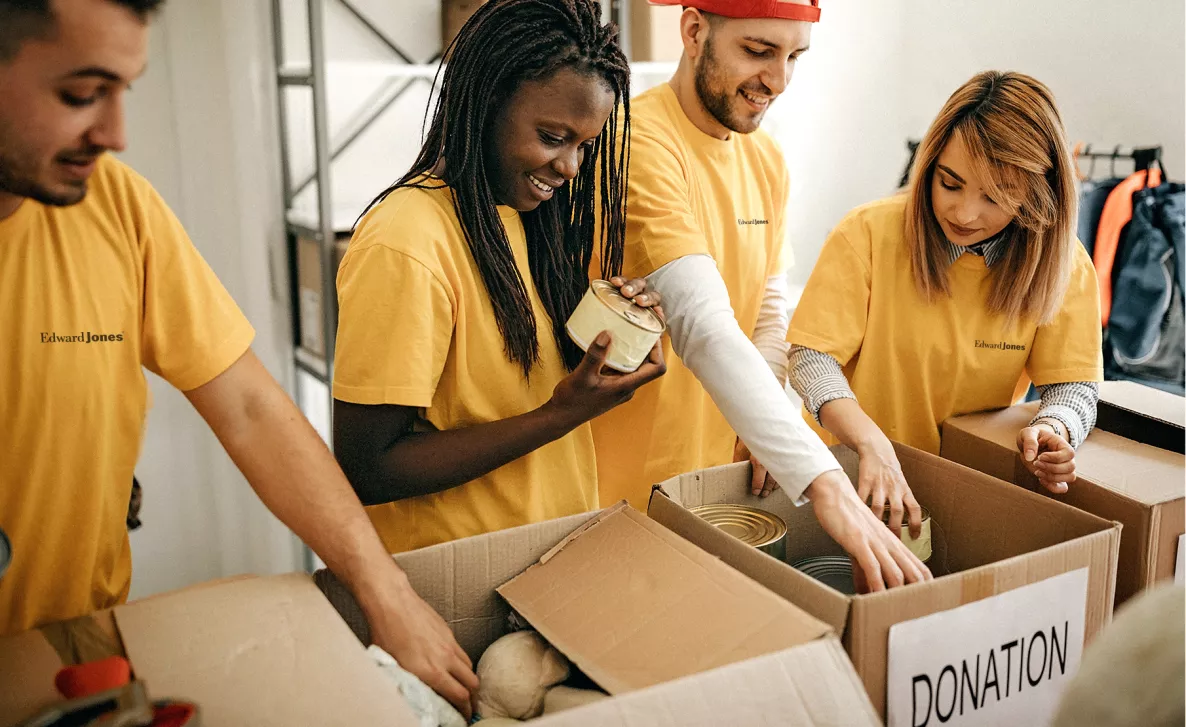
203, 133
1116, 69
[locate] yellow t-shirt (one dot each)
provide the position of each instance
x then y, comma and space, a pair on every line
90, 294
912, 364
690, 194
417, 328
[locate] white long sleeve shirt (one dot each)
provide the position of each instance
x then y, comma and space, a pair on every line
736, 374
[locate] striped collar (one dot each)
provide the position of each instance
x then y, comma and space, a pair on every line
992, 250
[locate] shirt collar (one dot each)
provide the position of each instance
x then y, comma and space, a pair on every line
992, 249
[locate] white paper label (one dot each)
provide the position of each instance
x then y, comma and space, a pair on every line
1180, 566
1001, 660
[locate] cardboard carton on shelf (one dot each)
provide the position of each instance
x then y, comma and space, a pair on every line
654, 32
674, 635
1131, 469
1008, 564
454, 13
309, 289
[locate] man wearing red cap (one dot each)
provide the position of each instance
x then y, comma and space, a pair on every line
706, 225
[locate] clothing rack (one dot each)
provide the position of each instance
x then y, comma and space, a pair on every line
1143, 158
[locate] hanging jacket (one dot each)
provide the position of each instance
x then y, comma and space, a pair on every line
1117, 213
1145, 339
1092, 198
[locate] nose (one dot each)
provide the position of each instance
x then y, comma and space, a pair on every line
568, 163
966, 211
108, 131
778, 77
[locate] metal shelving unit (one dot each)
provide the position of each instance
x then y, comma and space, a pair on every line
321, 226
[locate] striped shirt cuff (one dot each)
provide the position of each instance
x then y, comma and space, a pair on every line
1073, 404
817, 378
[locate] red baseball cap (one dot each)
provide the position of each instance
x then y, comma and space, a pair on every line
783, 9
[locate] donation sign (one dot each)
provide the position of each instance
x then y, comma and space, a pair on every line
1000, 660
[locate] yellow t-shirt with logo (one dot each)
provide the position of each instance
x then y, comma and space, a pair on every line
417, 328
913, 364
90, 295
690, 193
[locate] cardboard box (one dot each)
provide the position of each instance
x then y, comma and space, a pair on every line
989, 539
654, 32
454, 13
677, 636
1130, 469
309, 289
267, 652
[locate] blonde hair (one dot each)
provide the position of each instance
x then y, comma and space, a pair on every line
1015, 138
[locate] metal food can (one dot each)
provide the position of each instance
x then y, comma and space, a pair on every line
920, 546
763, 530
635, 329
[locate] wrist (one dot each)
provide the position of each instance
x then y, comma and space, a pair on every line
1054, 425
828, 487
556, 419
873, 443
380, 589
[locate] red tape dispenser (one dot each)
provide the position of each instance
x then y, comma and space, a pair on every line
103, 694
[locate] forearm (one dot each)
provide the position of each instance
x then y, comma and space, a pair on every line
422, 463
1071, 404
849, 423
770, 330
707, 338
295, 476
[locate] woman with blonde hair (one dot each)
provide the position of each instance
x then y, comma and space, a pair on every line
953, 297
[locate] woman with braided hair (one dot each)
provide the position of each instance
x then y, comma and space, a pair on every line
461, 405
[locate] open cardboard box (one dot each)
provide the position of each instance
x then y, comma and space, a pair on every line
266, 652
988, 538
1131, 469
676, 636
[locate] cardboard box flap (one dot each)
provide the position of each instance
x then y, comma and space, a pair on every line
1143, 414
813, 685
458, 578
621, 597
260, 652
1142, 472
667, 507
28, 665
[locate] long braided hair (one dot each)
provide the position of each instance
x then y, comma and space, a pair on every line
505, 43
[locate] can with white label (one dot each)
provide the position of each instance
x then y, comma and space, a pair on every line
920, 546
635, 329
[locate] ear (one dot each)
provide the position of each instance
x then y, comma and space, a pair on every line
693, 29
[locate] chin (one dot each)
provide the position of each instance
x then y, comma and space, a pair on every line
62, 195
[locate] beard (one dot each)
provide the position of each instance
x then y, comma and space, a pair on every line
719, 100
18, 178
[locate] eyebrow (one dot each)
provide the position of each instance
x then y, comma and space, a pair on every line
957, 177
771, 44
761, 41
103, 73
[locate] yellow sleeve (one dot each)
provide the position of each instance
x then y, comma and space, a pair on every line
834, 309
192, 330
395, 327
1070, 347
660, 226
784, 258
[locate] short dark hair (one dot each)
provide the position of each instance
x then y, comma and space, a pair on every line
21, 20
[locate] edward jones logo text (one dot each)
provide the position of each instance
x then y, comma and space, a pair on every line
82, 337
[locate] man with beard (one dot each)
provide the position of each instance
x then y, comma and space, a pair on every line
99, 281
706, 225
